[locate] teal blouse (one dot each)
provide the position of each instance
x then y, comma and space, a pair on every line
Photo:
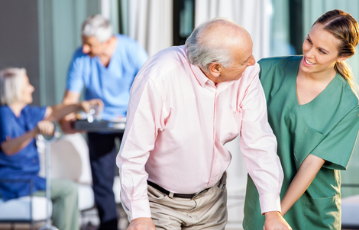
326, 127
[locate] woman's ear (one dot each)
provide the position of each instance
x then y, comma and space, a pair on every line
340, 59
215, 69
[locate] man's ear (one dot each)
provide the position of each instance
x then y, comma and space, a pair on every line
215, 69
108, 42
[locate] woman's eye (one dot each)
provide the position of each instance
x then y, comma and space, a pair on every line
322, 51
309, 40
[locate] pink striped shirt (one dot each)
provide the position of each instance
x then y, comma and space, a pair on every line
177, 124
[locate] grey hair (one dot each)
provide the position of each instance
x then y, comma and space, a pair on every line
202, 53
11, 82
97, 26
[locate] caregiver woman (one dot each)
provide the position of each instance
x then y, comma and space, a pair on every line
20, 123
314, 113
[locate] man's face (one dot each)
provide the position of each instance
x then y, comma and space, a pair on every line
92, 47
243, 58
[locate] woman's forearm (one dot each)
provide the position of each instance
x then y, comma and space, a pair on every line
12, 146
304, 177
56, 112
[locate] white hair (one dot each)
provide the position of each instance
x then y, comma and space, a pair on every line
97, 26
11, 82
202, 53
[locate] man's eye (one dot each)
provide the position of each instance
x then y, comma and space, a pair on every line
309, 40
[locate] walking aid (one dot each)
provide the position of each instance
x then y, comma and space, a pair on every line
48, 140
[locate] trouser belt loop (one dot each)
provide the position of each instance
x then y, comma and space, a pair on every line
223, 180
171, 195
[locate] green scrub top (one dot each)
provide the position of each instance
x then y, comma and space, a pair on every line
326, 127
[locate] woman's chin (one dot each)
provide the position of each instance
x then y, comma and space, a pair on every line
29, 101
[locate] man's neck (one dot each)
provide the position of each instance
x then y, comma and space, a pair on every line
209, 76
105, 58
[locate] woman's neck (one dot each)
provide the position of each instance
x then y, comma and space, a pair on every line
310, 85
17, 108
318, 77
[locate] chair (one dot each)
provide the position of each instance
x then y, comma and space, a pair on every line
70, 160
350, 208
28, 209
69, 153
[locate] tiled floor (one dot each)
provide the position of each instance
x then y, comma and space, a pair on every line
90, 221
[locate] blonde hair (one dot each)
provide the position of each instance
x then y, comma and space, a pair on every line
11, 82
345, 28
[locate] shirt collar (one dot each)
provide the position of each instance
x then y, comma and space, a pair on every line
201, 77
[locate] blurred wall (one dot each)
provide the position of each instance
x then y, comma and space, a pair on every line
19, 39
59, 36
41, 36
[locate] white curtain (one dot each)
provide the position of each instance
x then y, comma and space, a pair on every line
150, 23
254, 16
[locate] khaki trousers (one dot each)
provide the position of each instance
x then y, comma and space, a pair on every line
206, 211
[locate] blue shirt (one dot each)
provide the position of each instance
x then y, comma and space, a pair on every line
111, 84
25, 163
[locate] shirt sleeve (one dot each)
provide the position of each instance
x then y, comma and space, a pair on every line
34, 114
144, 120
74, 77
259, 148
6, 122
338, 145
8, 126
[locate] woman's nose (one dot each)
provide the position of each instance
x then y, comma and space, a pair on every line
85, 49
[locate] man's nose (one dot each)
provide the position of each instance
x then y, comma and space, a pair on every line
252, 61
85, 49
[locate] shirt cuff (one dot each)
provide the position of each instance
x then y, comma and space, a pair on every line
139, 208
270, 203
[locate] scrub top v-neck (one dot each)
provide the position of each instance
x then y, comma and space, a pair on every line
326, 127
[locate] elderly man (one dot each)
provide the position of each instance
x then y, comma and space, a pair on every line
105, 66
186, 103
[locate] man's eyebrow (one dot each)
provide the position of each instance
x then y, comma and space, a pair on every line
247, 59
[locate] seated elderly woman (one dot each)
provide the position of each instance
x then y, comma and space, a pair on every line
20, 123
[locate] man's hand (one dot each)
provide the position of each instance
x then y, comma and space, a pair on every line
88, 105
275, 221
45, 128
65, 124
142, 223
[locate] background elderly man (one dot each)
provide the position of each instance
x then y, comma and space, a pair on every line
186, 103
105, 66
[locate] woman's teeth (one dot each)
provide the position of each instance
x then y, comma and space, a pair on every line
308, 62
